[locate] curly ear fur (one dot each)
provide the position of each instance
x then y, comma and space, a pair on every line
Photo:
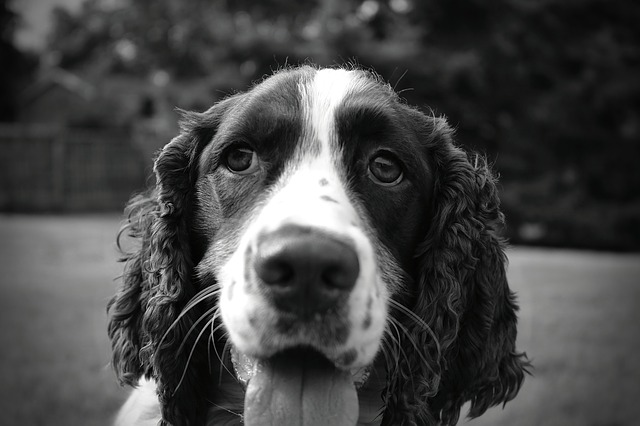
146, 327
461, 293
127, 307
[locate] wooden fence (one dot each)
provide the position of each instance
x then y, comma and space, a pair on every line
48, 168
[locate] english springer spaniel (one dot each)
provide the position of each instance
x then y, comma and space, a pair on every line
315, 252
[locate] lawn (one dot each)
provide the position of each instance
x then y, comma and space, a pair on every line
580, 322
57, 275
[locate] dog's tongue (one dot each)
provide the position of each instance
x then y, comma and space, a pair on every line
301, 388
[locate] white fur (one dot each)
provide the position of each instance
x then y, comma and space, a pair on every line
295, 199
142, 408
325, 94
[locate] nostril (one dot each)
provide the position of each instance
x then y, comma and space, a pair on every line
273, 271
341, 275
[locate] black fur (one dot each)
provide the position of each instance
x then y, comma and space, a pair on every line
443, 228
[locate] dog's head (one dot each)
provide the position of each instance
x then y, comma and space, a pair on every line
324, 234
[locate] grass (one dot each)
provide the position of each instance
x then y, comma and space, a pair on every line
579, 323
57, 275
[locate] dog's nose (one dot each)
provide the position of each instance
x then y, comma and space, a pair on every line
305, 271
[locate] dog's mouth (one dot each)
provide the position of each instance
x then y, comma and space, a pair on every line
298, 386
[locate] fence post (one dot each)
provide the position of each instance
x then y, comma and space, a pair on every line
57, 168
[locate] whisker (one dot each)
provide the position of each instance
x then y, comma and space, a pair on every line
228, 411
392, 349
195, 324
397, 347
409, 313
186, 366
401, 352
398, 325
413, 342
408, 89
412, 315
388, 352
210, 343
399, 79
199, 297
224, 351
215, 348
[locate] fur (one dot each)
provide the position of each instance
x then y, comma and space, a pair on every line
450, 315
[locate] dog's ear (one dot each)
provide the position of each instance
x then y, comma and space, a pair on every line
482, 366
466, 342
126, 307
148, 329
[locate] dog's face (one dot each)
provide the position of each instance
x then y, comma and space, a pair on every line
311, 199
335, 240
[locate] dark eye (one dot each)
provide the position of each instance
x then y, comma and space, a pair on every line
385, 169
241, 159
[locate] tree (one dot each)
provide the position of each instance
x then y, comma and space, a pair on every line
17, 67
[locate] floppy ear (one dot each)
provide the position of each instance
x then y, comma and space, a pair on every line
467, 353
126, 308
148, 333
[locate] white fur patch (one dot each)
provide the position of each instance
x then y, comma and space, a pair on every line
142, 408
310, 193
327, 92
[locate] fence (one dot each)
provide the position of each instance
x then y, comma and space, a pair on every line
48, 168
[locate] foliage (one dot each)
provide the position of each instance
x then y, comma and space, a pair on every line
16, 67
549, 90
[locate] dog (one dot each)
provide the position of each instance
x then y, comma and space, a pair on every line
315, 251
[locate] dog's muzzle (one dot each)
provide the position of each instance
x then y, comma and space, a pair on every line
304, 271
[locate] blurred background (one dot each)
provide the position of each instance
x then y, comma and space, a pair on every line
548, 90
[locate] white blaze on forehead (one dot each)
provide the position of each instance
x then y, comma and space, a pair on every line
326, 92
317, 157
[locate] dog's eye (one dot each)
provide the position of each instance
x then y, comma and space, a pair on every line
241, 159
385, 169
